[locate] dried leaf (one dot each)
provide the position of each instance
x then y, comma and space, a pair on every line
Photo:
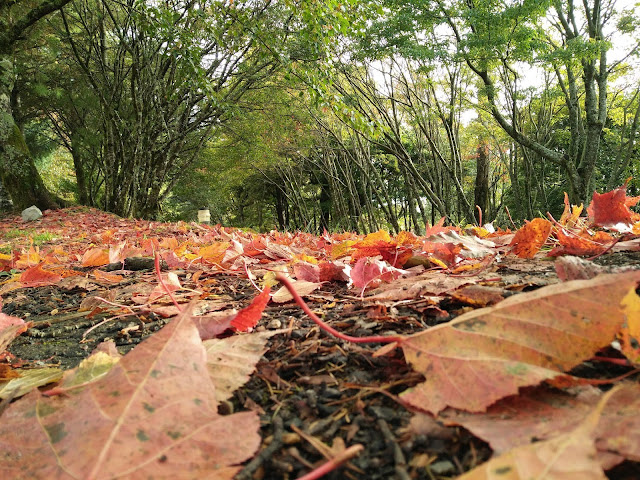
611, 209
28, 380
487, 354
570, 455
95, 257
37, 276
231, 360
153, 415
528, 240
301, 286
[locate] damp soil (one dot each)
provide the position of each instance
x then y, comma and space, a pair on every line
311, 390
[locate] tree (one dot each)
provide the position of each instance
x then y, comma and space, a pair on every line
164, 77
18, 173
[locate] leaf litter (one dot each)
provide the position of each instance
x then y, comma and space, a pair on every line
290, 386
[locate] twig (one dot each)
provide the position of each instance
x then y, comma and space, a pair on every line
267, 452
398, 456
373, 339
334, 463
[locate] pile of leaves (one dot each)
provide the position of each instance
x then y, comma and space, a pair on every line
506, 369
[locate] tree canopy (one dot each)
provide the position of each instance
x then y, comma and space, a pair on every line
340, 115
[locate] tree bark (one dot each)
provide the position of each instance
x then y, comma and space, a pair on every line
481, 192
18, 172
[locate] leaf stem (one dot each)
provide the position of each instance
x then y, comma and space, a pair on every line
373, 339
334, 463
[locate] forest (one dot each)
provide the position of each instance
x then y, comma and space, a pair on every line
304, 115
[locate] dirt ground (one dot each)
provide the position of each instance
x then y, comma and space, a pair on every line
311, 390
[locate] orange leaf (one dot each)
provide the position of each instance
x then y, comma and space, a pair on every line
630, 332
37, 276
528, 240
107, 277
248, 317
571, 213
214, 253
487, 354
580, 243
95, 257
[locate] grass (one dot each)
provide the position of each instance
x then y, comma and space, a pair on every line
38, 238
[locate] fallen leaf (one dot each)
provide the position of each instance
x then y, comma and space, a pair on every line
571, 213
28, 380
528, 240
107, 277
231, 360
36, 276
95, 257
301, 286
152, 415
581, 243
570, 455
248, 317
611, 209
369, 272
569, 267
215, 323
487, 354
541, 414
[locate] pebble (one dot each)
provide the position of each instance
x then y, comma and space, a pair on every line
274, 324
443, 467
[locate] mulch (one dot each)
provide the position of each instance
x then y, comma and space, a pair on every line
313, 391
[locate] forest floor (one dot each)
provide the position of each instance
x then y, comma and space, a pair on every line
314, 394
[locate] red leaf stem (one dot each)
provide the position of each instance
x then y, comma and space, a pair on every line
334, 463
373, 339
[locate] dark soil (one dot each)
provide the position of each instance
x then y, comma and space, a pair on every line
310, 388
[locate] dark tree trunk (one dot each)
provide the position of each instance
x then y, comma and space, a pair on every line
18, 173
481, 192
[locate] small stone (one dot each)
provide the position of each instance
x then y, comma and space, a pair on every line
30, 214
274, 324
443, 467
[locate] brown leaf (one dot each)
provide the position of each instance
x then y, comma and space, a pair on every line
302, 287
487, 354
231, 360
153, 414
570, 455
542, 414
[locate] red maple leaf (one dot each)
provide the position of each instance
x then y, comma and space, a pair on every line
248, 317
612, 208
